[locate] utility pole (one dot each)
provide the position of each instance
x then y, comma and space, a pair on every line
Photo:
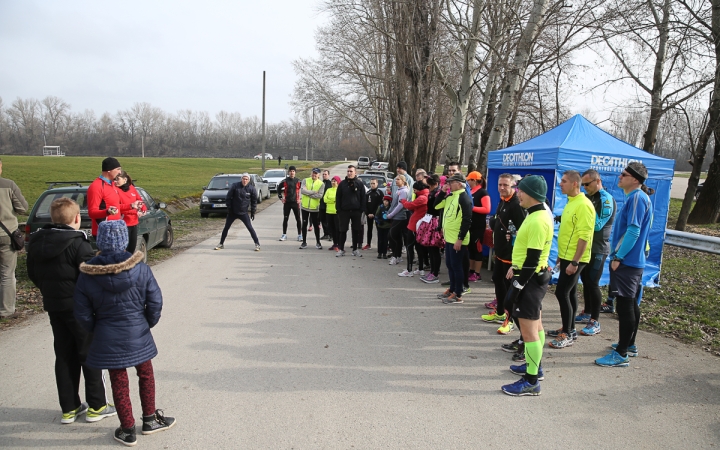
312, 132
263, 125
142, 145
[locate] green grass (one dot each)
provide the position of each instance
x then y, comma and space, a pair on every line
166, 179
703, 175
674, 212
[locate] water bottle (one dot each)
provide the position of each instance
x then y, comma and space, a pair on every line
512, 231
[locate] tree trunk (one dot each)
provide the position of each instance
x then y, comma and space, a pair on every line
698, 159
656, 111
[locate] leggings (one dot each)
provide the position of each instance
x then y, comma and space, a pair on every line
382, 243
422, 253
410, 245
132, 238
434, 259
628, 312
566, 293
287, 207
397, 232
591, 278
313, 218
331, 226
244, 218
502, 284
370, 223
121, 392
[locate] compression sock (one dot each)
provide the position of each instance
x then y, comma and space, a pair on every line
541, 333
533, 356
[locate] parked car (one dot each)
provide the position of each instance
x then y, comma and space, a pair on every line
213, 198
363, 162
154, 228
267, 156
382, 181
379, 165
273, 177
698, 189
384, 173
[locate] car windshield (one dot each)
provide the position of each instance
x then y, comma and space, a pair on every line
366, 179
274, 174
43, 209
223, 183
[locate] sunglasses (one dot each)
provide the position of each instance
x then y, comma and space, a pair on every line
625, 174
589, 183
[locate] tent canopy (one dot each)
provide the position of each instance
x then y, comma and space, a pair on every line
579, 145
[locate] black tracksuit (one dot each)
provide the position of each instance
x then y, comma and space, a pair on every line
350, 204
506, 211
373, 199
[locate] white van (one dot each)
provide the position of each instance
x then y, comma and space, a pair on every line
363, 162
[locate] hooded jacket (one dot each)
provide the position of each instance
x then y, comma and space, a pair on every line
397, 210
118, 299
55, 253
350, 195
418, 207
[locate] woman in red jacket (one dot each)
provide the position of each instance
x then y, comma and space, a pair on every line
128, 195
418, 207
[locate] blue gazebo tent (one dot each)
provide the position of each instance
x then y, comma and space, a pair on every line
579, 145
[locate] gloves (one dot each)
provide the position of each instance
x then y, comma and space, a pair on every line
558, 219
252, 215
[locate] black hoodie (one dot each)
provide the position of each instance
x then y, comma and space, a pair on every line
53, 263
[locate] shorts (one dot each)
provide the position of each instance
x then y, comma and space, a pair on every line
529, 303
475, 240
625, 281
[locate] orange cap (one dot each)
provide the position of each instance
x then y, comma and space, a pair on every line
474, 175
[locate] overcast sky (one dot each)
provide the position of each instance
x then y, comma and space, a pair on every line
201, 55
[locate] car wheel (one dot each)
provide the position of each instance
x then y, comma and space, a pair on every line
204, 215
259, 199
169, 238
141, 246
268, 194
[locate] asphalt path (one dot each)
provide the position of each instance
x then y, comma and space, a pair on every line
288, 348
679, 187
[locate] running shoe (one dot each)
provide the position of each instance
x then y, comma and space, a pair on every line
591, 329
393, 261
506, 327
494, 317
96, 415
445, 283
357, 253
379, 256
613, 359
367, 247
444, 294
430, 279
318, 246
70, 416
473, 278
562, 341
519, 356
405, 273
582, 318
554, 333
399, 260
631, 351
333, 247
512, 347
299, 238
466, 290
607, 307
491, 305
521, 388
303, 246
340, 253
283, 237
419, 272
522, 369
219, 247
257, 247
452, 299
384, 255
574, 335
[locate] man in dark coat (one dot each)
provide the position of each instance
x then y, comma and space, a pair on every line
241, 197
55, 253
373, 200
288, 191
350, 204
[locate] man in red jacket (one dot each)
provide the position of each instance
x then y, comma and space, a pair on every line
103, 199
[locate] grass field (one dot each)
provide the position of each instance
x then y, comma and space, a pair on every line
166, 179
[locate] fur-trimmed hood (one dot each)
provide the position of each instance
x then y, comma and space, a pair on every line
113, 263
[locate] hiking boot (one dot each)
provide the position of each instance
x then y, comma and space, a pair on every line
219, 247
430, 279
405, 273
70, 416
521, 388
591, 329
582, 318
303, 246
318, 246
631, 351
522, 369
506, 327
562, 341
491, 305
283, 237
126, 436
512, 347
613, 359
494, 317
367, 247
340, 253
96, 415
157, 422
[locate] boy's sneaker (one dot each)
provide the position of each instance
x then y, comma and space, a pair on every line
445, 294
431, 279
69, 417
494, 317
257, 247
157, 422
299, 238
519, 356
506, 327
521, 388
613, 359
405, 273
318, 246
367, 247
340, 253
452, 299
512, 347
554, 333
96, 415
582, 318
393, 261
491, 305
631, 351
283, 237
591, 329
522, 369
219, 247
126, 436
562, 341
303, 246
466, 290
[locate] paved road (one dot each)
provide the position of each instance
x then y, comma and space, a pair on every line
679, 186
298, 349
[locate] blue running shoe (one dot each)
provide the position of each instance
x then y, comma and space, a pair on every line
632, 350
613, 359
521, 388
522, 369
592, 328
582, 318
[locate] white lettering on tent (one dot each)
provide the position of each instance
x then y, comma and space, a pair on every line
518, 159
604, 163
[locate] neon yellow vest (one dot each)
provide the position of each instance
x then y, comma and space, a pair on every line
307, 201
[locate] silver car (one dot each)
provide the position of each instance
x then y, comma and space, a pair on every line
273, 177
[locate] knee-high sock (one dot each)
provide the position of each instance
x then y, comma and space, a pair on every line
533, 356
541, 333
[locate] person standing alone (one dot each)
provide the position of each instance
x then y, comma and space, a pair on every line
11, 202
241, 201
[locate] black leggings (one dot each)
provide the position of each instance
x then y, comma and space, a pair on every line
370, 223
397, 232
502, 284
591, 290
434, 259
566, 293
410, 246
313, 216
331, 226
628, 312
244, 218
287, 207
132, 238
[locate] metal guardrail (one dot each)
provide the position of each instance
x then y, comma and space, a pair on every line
693, 241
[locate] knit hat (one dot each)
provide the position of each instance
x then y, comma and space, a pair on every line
292, 168
337, 179
534, 186
474, 175
112, 236
419, 185
457, 177
388, 198
109, 164
402, 165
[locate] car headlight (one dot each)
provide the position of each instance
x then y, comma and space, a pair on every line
205, 199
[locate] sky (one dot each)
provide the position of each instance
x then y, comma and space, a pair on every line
200, 55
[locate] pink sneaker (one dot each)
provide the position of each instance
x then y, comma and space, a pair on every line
473, 277
492, 304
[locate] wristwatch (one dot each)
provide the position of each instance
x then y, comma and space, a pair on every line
574, 263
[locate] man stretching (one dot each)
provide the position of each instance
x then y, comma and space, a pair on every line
289, 193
